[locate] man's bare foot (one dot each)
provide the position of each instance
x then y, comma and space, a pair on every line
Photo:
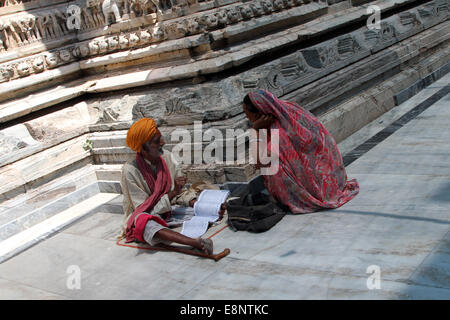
205, 245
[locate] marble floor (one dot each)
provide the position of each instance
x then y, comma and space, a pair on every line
395, 231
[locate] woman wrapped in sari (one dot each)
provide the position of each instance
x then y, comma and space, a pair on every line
311, 174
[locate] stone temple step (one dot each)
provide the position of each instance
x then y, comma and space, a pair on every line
23, 240
42, 195
14, 221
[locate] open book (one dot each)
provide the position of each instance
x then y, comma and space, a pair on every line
206, 210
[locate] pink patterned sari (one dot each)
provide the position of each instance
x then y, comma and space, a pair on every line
311, 173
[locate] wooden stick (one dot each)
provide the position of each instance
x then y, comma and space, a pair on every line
215, 257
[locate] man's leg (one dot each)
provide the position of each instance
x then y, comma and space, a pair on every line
155, 233
173, 236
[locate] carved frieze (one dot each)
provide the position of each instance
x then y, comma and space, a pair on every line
51, 24
22, 30
19, 31
304, 66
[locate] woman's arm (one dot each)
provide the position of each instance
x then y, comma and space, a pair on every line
263, 122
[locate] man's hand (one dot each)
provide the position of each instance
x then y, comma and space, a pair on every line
179, 183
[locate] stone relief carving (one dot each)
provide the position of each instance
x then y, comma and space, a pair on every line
176, 106
297, 69
409, 18
111, 11
246, 12
50, 24
38, 64
52, 60
27, 29
145, 107
142, 7
186, 105
346, 46
7, 72
6, 3
93, 14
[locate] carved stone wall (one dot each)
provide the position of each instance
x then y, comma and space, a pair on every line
187, 61
98, 28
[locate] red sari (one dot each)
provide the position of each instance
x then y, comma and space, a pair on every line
311, 173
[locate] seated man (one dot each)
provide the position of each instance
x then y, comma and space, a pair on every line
150, 186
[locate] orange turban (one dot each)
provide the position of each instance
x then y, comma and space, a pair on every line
140, 132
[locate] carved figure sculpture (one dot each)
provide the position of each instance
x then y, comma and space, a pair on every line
233, 15
221, 18
123, 42
133, 39
97, 13
246, 12
7, 72
143, 7
257, 9
52, 60
193, 26
164, 5
159, 33
267, 6
38, 64
145, 36
278, 5
113, 43
93, 47
111, 9
6, 3
84, 50
12, 34
4, 35
65, 55
23, 69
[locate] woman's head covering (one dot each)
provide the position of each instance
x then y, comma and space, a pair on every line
266, 102
140, 132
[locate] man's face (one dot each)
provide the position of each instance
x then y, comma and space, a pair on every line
152, 149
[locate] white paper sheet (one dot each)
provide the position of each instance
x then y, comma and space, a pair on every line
206, 210
196, 227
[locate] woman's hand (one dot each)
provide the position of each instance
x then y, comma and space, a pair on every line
259, 165
223, 207
263, 122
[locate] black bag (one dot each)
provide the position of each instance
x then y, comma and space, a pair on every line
253, 212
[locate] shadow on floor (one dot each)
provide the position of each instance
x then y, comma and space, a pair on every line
431, 280
395, 216
443, 195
